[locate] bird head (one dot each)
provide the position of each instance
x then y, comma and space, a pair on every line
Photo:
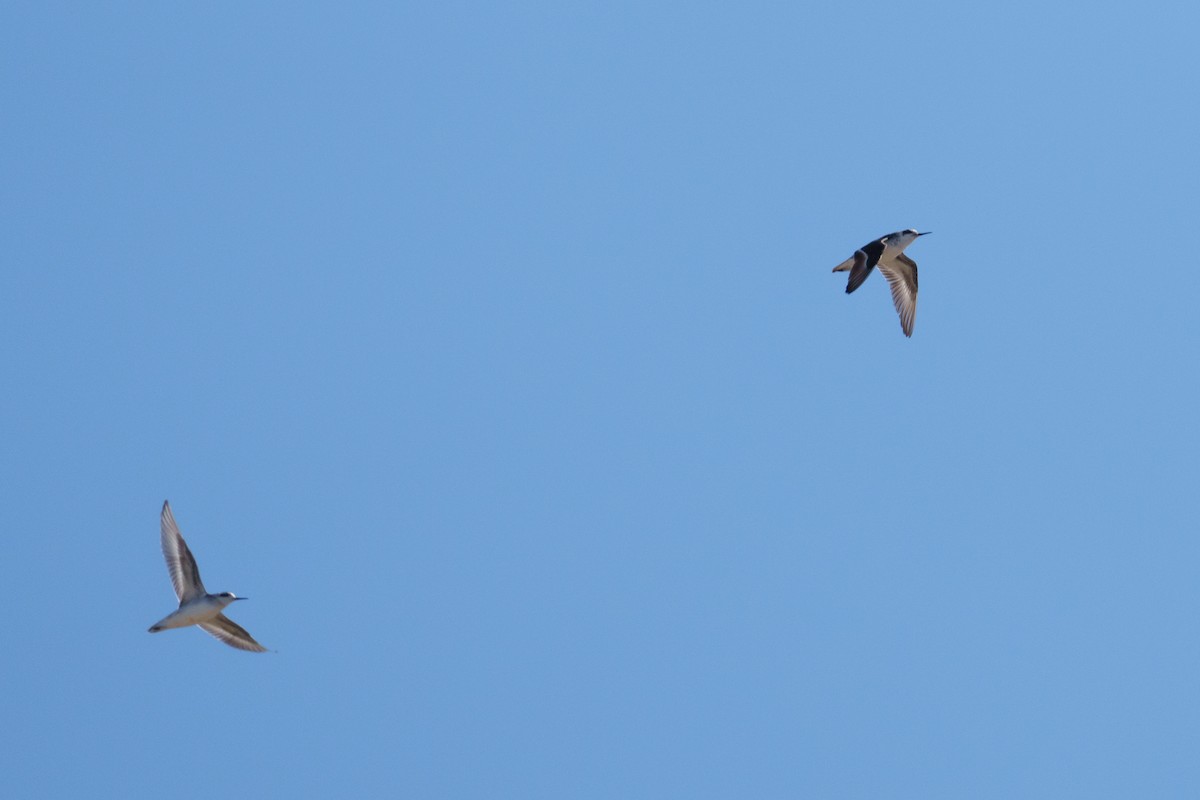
228, 597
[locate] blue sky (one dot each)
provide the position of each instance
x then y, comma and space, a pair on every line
494, 353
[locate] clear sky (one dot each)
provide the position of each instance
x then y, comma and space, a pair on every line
493, 351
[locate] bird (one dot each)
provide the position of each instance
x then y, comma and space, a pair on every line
196, 605
887, 253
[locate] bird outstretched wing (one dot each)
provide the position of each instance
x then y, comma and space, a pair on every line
859, 272
901, 274
232, 634
185, 575
861, 263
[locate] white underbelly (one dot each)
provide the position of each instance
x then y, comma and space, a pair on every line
189, 615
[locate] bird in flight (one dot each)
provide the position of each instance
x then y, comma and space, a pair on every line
887, 253
197, 606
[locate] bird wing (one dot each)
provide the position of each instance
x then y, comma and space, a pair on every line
901, 274
185, 575
232, 634
861, 263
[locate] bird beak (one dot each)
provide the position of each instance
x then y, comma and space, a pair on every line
241, 598
926, 233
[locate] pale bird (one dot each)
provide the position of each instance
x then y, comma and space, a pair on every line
196, 606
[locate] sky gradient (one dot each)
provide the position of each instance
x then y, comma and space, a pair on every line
494, 353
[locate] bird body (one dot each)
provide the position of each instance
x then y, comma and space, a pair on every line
887, 253
196, 605
194, 612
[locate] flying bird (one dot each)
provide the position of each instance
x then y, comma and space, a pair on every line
887, 253
197, 606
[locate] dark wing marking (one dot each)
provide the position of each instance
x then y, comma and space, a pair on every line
865, 260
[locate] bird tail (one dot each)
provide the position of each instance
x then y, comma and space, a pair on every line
845, 265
